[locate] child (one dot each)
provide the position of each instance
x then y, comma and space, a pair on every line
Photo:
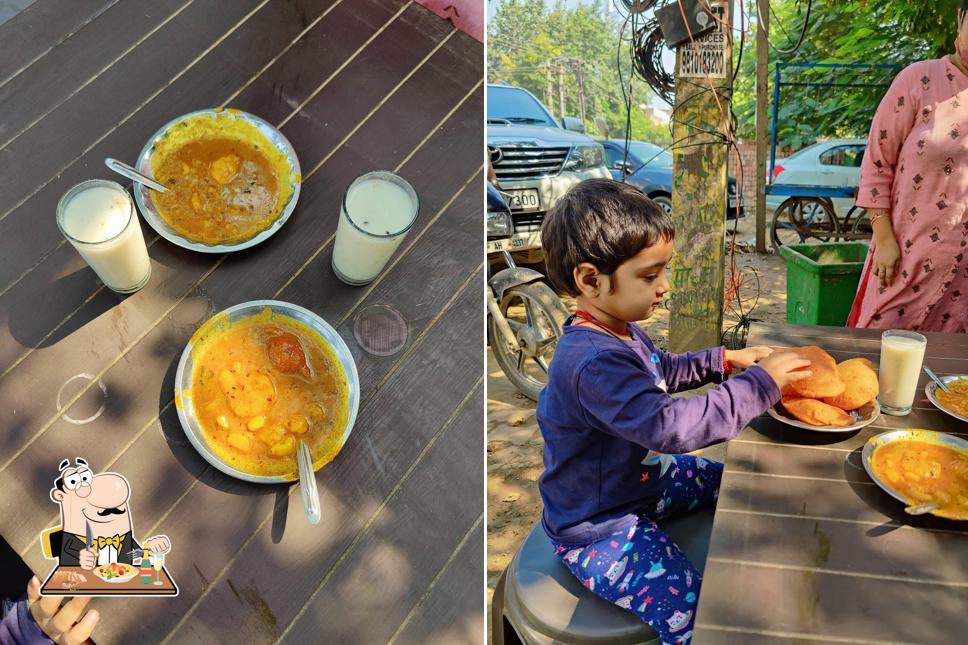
31, 619
612, 433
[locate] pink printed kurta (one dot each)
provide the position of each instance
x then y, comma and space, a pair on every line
916, 166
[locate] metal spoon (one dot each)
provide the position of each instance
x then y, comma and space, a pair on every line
125, 170
307, 482
921, 509
934, 377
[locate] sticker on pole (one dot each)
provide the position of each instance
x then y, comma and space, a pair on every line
706, 56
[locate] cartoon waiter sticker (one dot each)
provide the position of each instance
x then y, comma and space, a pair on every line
96, 535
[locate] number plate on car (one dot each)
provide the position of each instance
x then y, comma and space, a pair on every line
523, 200
512, 244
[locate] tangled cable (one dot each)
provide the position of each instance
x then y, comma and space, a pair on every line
647, 45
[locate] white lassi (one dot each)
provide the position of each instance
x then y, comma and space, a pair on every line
377, 211
902, 353
98, 218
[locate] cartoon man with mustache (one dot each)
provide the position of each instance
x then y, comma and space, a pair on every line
101, 503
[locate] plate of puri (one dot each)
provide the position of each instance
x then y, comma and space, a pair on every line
257, 379
921, 467
233, 180
955, 400
836, 397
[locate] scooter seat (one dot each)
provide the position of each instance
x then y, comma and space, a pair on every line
546, 603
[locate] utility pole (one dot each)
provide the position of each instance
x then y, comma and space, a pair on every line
561, 89
549, 86
581, 90
703, 85
762, 92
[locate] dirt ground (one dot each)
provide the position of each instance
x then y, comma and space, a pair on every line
514, 441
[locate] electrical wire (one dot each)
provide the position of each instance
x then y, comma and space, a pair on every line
803, 30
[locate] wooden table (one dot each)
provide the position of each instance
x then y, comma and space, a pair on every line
94, 586
356, 85
806, 548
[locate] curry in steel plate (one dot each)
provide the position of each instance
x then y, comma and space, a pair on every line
262, 384
226, 181
956, 399
924, 472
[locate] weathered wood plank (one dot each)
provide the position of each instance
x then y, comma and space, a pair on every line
60, 284
453, 611
278, 263
157, 353
285, 553
42, 26
840, 546
412, 538
807, 601
78, 61
43, 151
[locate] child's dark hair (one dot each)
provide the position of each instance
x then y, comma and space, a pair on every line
603, 222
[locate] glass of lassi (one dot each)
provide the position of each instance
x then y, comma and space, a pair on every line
377, 211
902, 353
98, 218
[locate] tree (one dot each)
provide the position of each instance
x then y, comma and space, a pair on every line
526, 39
852, 31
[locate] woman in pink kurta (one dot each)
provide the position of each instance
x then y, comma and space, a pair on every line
914, 186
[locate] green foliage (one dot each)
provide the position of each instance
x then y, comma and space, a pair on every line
525, 36
850, 31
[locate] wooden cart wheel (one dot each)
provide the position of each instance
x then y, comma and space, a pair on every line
800, 219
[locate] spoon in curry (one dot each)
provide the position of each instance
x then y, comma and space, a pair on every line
307, 483
934, 377
921, 509
125, 170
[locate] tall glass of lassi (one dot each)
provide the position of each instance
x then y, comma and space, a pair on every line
98, 218
377, 211
901, 355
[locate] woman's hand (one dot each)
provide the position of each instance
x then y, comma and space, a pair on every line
62, 624
887, 253
743, 358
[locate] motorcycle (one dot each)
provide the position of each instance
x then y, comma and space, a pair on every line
524, 315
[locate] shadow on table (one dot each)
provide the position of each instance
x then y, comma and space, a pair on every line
189, 458
768, 427
23, 323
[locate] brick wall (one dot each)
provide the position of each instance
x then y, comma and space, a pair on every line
747, 150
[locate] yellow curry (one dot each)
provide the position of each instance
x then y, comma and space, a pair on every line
925, 472
957, 399
261, 385
226, 181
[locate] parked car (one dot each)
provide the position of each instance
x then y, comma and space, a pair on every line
651, 172
536, 159
828, 163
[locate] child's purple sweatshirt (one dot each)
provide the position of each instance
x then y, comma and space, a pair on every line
607, 400
17, 626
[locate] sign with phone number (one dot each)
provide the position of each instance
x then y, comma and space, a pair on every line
706, 57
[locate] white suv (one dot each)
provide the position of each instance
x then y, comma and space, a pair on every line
536, 160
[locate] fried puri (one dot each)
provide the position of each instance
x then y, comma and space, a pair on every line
816, 413
824, 381
860, 381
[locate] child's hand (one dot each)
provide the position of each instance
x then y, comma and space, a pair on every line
743, 358
62, 624
781, 365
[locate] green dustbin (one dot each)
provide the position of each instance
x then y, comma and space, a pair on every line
822, 281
